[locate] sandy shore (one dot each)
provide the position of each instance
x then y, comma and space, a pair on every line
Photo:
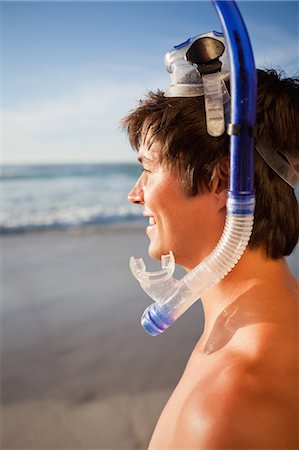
78, 371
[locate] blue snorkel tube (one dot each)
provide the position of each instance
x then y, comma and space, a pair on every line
243, 85
173, 297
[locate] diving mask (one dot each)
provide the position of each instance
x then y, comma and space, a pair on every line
199, 67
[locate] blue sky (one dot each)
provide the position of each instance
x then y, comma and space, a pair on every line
71, 70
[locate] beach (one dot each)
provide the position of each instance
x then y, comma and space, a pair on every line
78, 371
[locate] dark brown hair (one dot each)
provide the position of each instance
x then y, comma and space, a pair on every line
179, 126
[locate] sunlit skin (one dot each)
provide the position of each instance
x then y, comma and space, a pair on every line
180, 223
240, 387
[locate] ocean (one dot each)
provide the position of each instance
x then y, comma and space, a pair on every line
35, 197
63, 196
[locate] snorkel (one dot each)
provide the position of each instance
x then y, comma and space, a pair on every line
173, 297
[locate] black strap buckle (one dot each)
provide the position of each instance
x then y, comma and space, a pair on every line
235, 129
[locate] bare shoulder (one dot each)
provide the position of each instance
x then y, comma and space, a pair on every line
245, 393
232, 402
239, 407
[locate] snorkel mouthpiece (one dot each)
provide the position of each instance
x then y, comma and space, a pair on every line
197, 67
158, 285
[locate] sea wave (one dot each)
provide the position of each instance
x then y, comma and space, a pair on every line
69, 195
69, 219
50, 171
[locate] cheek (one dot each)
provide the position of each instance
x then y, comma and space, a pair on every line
157, 193
187, 215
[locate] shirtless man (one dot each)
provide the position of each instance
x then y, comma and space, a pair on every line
240, 387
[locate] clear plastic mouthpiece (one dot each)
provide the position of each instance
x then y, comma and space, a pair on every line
139, 271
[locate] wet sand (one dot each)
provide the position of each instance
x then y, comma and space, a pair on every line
77, 370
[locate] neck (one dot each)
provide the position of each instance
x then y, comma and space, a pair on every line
251, 293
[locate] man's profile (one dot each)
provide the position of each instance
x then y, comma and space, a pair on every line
239, 389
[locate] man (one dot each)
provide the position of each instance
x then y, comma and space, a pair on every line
240, 387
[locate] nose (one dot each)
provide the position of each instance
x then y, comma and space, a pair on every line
136, 193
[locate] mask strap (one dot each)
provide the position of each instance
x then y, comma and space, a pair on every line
286, 166
213, 96
205, 54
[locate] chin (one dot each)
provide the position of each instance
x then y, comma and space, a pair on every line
156, 252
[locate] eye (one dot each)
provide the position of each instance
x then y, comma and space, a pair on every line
143, 170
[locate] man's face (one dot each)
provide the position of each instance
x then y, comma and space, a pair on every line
185, 225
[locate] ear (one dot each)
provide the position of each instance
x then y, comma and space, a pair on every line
219, 181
